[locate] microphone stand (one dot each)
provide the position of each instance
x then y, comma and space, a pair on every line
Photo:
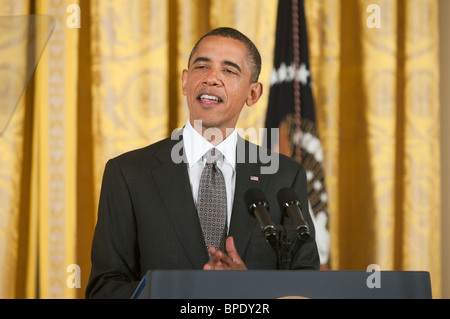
285, 261
285, 248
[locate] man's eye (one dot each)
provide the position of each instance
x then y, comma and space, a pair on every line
230, 71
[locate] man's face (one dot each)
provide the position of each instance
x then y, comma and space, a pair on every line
217, 83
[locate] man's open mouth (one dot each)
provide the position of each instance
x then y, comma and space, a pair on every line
209, 98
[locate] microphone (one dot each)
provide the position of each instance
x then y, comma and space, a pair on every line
257, 206
291, 207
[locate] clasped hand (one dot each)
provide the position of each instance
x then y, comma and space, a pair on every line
225, 261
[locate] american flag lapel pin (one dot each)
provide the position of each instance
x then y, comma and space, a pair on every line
254, 178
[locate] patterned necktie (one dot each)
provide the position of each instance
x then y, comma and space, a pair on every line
212, 202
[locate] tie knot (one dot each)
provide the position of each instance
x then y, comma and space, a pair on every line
213, 156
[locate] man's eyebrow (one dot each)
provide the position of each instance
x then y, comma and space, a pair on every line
232, 64
201, 59
226, 62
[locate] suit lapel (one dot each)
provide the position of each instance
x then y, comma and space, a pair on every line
173, 182
242, 223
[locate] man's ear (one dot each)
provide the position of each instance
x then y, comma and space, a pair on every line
254, 93
184, 81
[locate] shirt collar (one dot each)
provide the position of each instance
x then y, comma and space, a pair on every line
196, 146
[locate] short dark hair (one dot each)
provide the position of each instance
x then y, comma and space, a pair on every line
226, 32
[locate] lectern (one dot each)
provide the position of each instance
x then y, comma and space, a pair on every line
261, 284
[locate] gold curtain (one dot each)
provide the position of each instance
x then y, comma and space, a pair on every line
113, 84
377, 100
11, 172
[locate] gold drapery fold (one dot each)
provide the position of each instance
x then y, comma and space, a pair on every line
377, 99
114, 84
323, 22
55, 164
14, 168
421, 245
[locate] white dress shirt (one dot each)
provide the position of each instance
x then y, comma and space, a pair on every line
195, 147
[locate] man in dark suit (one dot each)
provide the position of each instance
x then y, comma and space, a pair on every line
148, 211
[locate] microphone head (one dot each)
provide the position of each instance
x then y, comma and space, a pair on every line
254, 197
286, 197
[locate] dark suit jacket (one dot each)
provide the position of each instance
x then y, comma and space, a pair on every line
147, 219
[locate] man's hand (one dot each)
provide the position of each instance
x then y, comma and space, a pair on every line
222, 261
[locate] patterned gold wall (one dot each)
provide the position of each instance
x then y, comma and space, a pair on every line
114, 84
